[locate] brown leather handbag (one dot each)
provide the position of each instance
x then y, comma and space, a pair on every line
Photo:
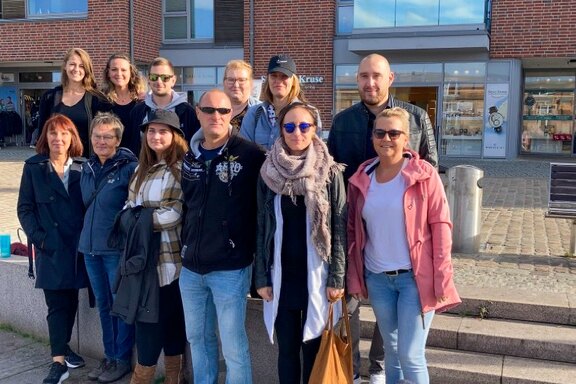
333, 364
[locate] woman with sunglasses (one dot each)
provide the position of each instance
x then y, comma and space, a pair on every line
77, 97
123, 86
281, 87
403, 263
300, 254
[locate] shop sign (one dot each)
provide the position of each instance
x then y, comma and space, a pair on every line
495, 120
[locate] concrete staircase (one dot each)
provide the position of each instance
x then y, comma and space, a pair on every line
498, 337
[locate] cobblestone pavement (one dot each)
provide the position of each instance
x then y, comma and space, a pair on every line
520, 248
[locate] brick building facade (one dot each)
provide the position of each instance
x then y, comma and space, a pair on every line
497, 77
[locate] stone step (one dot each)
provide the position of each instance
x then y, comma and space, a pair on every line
524, 305
535, 306
461, 367
505, 337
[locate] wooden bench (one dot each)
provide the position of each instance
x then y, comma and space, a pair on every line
562, 196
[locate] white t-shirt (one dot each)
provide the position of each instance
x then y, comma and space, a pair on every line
386, 245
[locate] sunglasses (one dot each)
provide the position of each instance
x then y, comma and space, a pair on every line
393, 134
212, 110
291, 127
155, 77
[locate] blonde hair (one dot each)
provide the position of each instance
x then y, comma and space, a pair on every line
239, 65
398, 113
295, 91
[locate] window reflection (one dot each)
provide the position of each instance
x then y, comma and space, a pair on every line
405, 13
38, 8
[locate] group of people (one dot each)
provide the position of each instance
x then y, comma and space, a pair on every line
171, 212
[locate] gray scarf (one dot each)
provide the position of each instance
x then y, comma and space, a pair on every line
306, 175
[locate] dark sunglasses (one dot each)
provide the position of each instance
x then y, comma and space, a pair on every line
164, 78
291, 127
393, 134
212, 110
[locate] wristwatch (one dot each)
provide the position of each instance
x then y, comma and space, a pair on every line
495, 119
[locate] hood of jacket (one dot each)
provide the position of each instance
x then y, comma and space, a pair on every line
177, 99
198, 138
415, 171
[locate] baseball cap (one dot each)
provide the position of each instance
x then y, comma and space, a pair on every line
283, 64
162, 116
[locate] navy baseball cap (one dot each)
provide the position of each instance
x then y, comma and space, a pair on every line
283, 64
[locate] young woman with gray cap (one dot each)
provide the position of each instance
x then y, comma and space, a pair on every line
282, 87
156, 184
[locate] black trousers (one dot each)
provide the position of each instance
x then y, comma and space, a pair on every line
169, 333
289, 327
62, 307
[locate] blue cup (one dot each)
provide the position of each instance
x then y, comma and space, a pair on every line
4, 246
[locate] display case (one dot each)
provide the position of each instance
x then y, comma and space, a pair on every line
548, 121
462, 120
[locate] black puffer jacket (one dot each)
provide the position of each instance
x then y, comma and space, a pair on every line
137, 287
348, 137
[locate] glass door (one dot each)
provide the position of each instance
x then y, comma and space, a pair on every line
424, 97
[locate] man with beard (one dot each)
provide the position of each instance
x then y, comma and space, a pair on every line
350, 143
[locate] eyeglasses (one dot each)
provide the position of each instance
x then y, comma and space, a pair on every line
232, 81
106, 138
212, 110
155, 77
393, 134
291, 127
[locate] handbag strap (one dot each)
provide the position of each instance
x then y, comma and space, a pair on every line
346, 319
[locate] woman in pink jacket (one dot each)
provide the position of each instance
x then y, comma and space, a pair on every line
400, 238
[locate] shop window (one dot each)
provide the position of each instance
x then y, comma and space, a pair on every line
548, 114
463, 109
188, 20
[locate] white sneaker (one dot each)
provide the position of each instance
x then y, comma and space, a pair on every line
379, 378
358, 379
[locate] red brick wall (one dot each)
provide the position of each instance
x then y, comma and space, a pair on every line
302, 29
105, 31
147, 30
533, 28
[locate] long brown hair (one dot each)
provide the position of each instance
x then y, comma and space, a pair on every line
57, 121
148, 158
136, 84
89, 81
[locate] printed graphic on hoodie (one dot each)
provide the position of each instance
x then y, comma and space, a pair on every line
229, 168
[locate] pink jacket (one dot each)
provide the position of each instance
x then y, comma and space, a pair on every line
428, 229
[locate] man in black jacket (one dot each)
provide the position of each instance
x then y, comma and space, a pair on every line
219, 177
161, 80
350, 143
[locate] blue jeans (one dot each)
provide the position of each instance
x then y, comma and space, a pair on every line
403, 327
117, 336
217, 299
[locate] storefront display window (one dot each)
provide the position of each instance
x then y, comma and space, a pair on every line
548, 114
463, 109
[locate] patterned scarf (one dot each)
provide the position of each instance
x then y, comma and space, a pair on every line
306, 175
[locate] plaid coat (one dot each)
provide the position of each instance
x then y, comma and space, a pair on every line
163, 192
